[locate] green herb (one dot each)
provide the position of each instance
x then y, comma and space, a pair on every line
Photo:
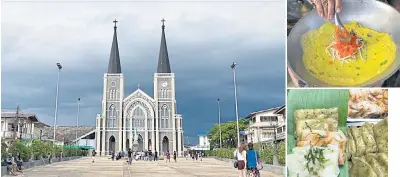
316, 157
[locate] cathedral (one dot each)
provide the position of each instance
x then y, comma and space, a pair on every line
151, 123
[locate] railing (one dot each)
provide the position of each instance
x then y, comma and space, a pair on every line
10, 134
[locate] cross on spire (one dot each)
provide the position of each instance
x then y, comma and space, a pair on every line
115, 23
163, 26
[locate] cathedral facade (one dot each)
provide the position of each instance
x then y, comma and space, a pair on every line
154, 120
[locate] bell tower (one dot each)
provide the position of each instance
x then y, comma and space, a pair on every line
164, 94
110, 129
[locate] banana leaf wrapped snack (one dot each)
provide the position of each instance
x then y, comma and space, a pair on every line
316, 119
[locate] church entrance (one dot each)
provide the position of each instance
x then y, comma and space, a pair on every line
127, 144
111, 145
149, 144
165, 144
140, 142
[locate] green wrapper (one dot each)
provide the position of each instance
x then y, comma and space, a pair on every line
381, 135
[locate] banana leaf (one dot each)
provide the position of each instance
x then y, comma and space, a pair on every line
316, 99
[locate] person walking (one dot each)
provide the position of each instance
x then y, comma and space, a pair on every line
175, 156
130, 156
155, 155
240, 155
49, 156
93, 154
253, 159
168, 155
61, 154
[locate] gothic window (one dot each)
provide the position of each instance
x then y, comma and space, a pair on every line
164, 116
166, 93
112, 116
139, 118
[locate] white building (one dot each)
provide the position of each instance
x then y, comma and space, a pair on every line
204, 142
21, 127
265, 124
155, 119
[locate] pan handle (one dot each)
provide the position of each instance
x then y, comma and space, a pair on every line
299, 82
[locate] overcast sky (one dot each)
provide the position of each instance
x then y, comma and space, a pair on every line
203, 39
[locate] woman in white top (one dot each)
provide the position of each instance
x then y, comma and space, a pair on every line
240, 155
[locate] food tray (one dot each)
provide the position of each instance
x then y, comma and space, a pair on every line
316, 99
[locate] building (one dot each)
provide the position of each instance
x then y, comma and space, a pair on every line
264, 125
154, 119
204, 142
68, 135
18, 127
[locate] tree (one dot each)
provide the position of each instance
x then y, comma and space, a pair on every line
228, 131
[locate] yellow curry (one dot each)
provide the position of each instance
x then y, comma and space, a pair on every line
377, 54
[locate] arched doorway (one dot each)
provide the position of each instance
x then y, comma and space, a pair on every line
111, 145
165, 144
127, 144
140, 143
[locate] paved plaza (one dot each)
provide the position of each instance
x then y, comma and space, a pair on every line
104, 167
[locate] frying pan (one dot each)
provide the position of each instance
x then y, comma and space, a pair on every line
369, 13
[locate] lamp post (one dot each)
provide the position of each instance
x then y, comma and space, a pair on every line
219, 122
56, 110
236, 106
77, 121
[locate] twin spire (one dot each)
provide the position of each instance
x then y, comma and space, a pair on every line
114, 65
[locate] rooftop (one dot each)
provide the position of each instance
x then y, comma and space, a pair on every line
64, 133
262, 111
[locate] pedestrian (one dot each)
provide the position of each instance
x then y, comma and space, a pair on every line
197, 156
240, 155
253, 160
112, 155
93, 154
61, 154
192, 154
175, 156
155, 155
49, 157
130, 156
168, 159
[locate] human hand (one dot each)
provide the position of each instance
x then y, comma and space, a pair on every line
326, 8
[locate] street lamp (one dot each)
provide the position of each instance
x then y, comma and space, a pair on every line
236, 106
77, 120
56, 110
219, 122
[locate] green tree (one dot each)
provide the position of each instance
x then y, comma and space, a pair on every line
38, 149
4, 152
228, 131
22, 149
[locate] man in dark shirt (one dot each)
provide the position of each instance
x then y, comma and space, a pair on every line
130, 156
155, 155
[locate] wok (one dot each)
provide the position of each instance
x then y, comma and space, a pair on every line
369, 13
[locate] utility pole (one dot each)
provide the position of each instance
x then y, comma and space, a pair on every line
77, 121
16, 122
233, 66
219, 122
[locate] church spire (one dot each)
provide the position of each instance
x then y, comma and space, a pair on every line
163, 60
114, 65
